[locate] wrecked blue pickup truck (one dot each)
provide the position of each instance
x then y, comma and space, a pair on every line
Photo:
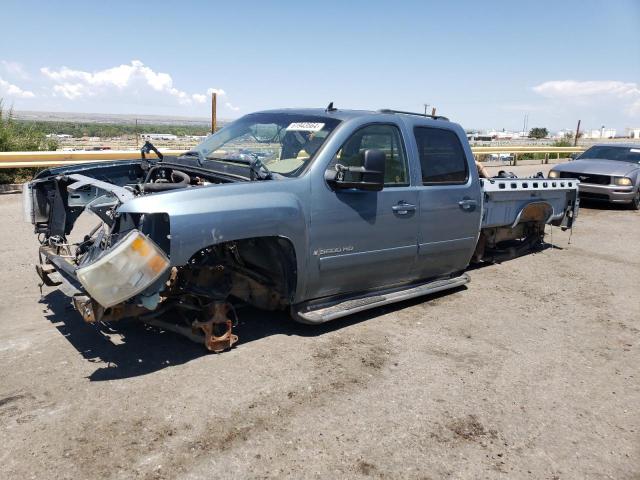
320, 212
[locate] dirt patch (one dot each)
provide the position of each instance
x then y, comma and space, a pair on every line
470, 428
14, 398
342, 364
366, 468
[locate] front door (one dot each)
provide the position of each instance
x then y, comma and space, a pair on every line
450, 203
365, 240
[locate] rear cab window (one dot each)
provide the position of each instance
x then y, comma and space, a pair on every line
442, 157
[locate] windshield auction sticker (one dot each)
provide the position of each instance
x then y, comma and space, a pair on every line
305, 127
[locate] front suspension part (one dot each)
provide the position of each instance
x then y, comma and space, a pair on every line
217, 331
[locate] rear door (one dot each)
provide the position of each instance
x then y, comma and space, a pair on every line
364, 240
450, 202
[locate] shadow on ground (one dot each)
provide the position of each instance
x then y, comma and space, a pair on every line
507, 256
596, 205
130, 348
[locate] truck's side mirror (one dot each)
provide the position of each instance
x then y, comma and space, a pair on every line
371, 173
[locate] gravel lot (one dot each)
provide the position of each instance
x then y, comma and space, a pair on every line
532, 371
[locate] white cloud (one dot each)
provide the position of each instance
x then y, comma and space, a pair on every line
219, 91
72, 90
571, 88
210, 91
133, 81
593, 92
11, 90
14, 69
119, 77
231, 107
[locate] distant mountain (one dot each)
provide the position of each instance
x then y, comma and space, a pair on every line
111, 118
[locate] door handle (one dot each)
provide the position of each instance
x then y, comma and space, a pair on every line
403, 208
467, 204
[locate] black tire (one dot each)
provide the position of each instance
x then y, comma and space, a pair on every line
635, 203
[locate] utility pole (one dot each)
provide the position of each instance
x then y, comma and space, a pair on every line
426, 105
136, 133
575, 141
214, 100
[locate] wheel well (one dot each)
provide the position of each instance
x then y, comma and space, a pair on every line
275, 258
539, 212
261, 271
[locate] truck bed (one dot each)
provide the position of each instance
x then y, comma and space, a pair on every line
504, 200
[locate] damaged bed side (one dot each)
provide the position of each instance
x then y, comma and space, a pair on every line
515, 212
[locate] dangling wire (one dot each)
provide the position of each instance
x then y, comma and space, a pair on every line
570, 234
235, 314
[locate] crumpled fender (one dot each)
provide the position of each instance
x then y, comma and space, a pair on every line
204, 216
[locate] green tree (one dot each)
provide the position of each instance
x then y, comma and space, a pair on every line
18, 137
564, 142
108, 130
538, 132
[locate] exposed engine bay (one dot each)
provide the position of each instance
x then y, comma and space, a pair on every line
101, 188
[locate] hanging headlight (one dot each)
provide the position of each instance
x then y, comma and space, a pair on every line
125, 270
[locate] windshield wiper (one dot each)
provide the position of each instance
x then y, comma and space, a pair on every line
258, 169
193, 153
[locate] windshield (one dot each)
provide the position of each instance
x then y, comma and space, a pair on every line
623, 154
285, 143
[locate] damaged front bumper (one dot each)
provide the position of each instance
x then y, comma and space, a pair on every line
215, 330
113, 283
122, 268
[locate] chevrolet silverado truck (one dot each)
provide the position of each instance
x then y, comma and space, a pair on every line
321, 212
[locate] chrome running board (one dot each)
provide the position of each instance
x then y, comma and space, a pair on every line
324, 312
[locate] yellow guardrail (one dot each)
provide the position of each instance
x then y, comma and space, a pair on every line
58, 158
480, 153
525, 149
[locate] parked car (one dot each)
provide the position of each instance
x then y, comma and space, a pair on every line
607, 172
321, 212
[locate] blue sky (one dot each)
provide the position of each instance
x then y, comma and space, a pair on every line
484, 64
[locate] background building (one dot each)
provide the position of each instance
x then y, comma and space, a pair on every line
633, 133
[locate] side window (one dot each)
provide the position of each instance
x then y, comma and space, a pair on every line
382, 137
442, 157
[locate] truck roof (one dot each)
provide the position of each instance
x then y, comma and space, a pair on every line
347, 114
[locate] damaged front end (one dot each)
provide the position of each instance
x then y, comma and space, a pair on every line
122, 268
